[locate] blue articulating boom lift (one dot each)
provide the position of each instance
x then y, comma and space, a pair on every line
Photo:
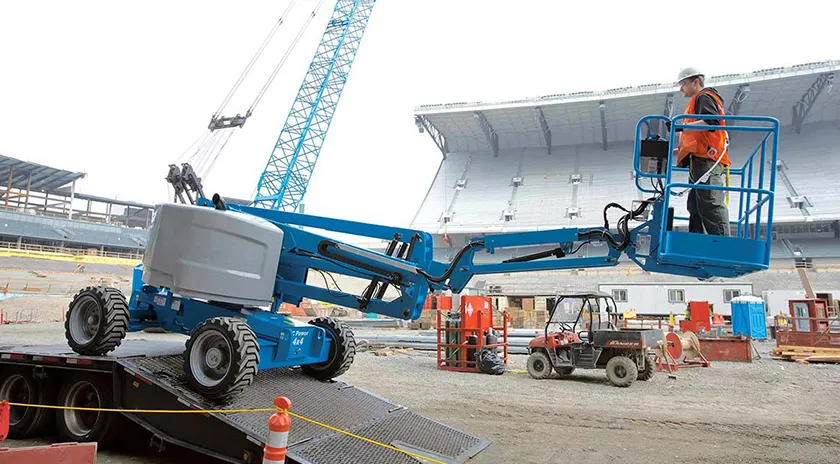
219, 272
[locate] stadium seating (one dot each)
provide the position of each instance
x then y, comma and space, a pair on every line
71, 231
810, 162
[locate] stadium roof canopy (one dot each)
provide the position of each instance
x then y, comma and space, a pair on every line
794, 95
33, 176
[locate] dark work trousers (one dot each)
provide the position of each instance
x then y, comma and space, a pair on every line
707, 212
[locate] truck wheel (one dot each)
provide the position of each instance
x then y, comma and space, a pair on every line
96, 321
649, 370
622, 371
342, 350
19, 386
564, 371
221, 357
85, 426
539, 366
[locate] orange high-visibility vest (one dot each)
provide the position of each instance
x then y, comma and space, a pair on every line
704, 144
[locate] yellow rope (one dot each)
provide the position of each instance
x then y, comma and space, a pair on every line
230, 411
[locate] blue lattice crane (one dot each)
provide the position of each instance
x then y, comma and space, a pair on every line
283, 183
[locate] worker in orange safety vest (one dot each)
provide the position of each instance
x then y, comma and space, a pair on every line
706, 154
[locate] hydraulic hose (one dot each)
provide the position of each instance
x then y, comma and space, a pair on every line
453, 264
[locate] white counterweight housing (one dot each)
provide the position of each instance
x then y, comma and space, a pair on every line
200, 252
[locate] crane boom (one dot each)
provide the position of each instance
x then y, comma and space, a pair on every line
283, 183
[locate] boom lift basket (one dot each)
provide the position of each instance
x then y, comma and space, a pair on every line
748, 248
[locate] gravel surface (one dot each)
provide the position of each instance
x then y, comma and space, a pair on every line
765, 412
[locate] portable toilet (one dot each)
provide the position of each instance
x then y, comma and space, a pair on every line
748, 318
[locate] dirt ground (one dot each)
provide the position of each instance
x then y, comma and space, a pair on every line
765, 412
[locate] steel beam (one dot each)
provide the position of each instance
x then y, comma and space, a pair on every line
804, 105
424, 125
546, 131
603, 107
489, 133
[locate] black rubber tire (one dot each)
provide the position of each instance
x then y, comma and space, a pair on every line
342, 351
245, 352
622, 371
113, 323
84, 426
650, 369
539, 366
18, 385
564, 371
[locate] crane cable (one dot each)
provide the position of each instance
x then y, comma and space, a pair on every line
213, 142
285, 56
254, 59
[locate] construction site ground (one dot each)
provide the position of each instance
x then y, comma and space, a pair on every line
768, 411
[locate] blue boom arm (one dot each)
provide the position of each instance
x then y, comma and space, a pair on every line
655, 243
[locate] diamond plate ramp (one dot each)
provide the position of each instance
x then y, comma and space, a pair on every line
405, 430
335, 403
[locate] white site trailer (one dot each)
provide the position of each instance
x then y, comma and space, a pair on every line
662, 298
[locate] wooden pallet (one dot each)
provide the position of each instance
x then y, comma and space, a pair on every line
806, 354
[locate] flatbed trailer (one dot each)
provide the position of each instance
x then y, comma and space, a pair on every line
143, 374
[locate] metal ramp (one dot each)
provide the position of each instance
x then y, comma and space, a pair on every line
334, 403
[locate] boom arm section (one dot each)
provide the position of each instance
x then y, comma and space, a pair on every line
655, 243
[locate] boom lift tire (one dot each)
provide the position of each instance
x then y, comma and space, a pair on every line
622, 371
342, 350
85, 426
18, 385
221, 357
650, 369
96, 321
539, 366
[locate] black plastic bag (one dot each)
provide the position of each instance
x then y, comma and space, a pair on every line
489, 362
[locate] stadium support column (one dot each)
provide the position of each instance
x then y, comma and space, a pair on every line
28, 184
740, 96
9, 188
668, 111
424, 125
489, 133
72, 197
546, 131
804, 105
603, 107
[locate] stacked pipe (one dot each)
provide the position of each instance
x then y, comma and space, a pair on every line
518, 340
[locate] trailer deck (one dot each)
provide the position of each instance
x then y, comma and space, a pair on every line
149, 375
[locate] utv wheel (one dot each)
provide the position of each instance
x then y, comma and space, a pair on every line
564, 371
221, 357
649, 369
622, 371
342, 350
19, 386
96, 320
85, 426
539, 366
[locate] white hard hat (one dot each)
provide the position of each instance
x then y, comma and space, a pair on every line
688, 72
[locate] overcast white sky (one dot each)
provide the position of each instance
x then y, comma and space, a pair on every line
119, 89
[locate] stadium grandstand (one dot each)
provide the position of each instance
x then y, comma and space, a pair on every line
557, 160
40, 209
